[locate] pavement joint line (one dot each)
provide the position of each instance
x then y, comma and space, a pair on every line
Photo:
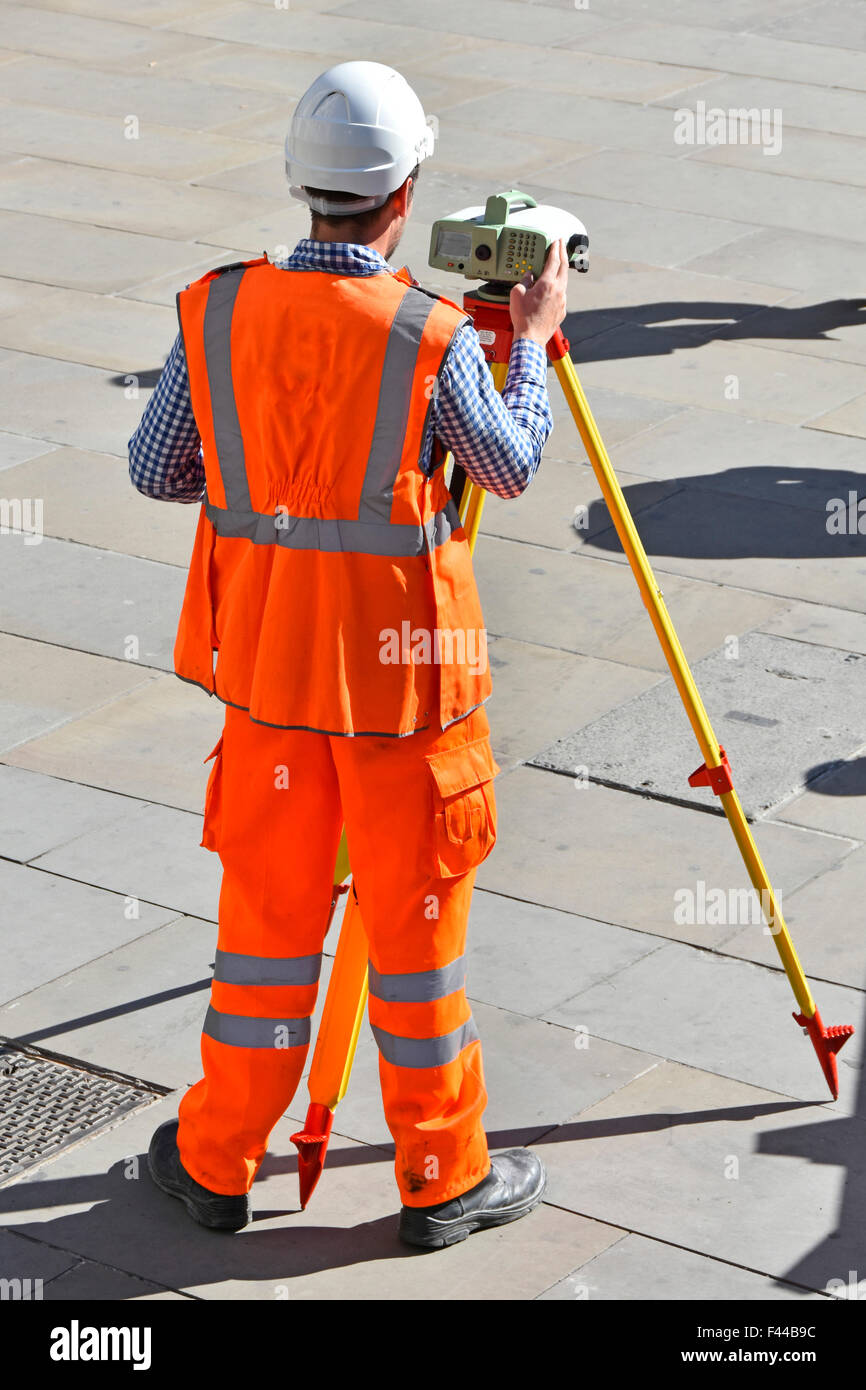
69, 719
166, 907
91, 1260
674, 1245
665, 941
84, 651
84, 965
92, 786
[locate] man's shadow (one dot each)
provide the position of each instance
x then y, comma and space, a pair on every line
736, 515
656, 329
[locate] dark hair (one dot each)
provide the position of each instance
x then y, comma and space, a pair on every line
362, 221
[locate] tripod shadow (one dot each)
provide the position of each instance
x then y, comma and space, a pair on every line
838, 778
733, 515
651, 330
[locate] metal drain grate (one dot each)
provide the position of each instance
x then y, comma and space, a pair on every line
46, 1105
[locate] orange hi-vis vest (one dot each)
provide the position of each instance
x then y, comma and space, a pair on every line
331, 585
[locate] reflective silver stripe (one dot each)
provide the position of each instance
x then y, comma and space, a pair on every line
392, 410
311, 533
233, 969
240, 1031
420, 986
425, 1052
218, 313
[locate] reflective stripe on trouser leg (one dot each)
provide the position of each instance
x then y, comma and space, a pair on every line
277, 841
430, 1063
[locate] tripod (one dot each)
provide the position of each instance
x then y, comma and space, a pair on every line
346, 998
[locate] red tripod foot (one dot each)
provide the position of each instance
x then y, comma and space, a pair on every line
826, 1042
312, 1143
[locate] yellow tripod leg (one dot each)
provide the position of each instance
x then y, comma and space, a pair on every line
826, 1041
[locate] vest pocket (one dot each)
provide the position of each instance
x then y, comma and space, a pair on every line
213, 799
464, 830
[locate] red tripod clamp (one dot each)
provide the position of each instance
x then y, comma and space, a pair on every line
718, 778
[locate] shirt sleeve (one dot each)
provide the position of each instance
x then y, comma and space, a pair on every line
165, 459
497, 439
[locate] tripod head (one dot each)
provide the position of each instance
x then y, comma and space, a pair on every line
500, 242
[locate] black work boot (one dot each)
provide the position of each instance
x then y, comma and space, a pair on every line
214, 1209
512, 1188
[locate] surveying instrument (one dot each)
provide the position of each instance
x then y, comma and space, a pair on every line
498, 244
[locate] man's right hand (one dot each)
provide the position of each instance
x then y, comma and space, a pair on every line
538, 309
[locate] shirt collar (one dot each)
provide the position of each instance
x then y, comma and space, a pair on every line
340, 257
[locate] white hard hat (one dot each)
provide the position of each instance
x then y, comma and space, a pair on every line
358, 129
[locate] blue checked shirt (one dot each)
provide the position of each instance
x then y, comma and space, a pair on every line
498, 440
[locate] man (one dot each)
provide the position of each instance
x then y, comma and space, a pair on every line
323, 393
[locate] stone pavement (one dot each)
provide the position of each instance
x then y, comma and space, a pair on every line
636, 1025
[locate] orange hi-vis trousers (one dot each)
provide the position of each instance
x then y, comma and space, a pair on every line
420, 816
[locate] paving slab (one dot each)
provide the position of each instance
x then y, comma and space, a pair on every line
742, 454
807, 109
140, 1000
625, 229
748, 196
121, 46
593, 75
90, 499
152, 95
839, 22
127, 202
849, 418
88, 258
336, 36
744, 53
156, 149
705, 1162
826, 923
545, 514
762, 696
344, 1246
537, 690
538, 111
90, 1281
91, 600
632, 292
94, 329
628, 860
151, 744
830, 329
151, 852
38, 812
24, 1259
582, 604
527, 959
774, 547
66, 402
821, 265
821, 624
636, 1269
59, 924
45, 685
17, 448
677, 1003
794, 387
834, 801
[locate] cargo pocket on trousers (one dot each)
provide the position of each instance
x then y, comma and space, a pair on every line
213, 798
464, 830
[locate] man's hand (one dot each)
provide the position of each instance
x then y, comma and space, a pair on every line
538, 309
